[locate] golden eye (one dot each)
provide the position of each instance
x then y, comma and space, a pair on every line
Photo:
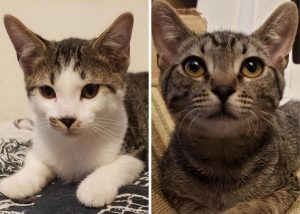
252, 67
47, 92
89, 91
194, 66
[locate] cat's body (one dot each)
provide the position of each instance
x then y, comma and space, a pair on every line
217, 183
233, 150
91, 116
72, 158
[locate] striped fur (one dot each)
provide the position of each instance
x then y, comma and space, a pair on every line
238, 154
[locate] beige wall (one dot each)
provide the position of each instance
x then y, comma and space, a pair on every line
56, 20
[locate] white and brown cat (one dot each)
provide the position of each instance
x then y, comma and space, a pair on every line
91, 116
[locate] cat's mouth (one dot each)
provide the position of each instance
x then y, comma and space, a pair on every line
71, 132
68, 132
222, 115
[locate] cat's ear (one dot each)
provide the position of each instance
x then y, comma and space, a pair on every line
278, 33
29, 46
115, 41
168, 31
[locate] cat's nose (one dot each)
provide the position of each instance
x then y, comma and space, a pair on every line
68, 121
223, 92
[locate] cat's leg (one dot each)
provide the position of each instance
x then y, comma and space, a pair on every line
279, 202
28, 181
101, 186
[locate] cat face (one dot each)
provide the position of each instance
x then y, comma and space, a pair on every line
74, 83
222, 80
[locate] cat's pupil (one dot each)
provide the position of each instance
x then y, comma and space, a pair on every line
194, 66
47, 92
251, 67
89, 91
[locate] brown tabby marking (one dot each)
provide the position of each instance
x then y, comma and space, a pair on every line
234, 149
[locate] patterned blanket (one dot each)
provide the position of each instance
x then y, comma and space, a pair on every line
57, 197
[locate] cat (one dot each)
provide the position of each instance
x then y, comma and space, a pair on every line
234, 150
91, 116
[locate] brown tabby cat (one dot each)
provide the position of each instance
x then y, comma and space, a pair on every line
234, 149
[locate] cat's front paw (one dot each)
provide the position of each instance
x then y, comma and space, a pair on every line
19, 187
96, 193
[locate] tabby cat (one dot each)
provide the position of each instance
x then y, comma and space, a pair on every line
234, 149
91, 117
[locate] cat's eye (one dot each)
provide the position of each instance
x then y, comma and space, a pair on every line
194, 66
89, 91
47, 92
252, 67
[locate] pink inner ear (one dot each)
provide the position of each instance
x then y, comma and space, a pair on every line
278, 33
165, 47
168, 32
26, 43
281, 47
26, 47
20, 40
116, 39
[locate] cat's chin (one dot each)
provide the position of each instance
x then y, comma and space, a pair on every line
68, 133
222, 116
72, 134
222, 126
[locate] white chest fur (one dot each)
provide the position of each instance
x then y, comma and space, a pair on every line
73, 157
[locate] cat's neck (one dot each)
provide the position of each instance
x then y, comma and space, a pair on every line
217, 157
221, 147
